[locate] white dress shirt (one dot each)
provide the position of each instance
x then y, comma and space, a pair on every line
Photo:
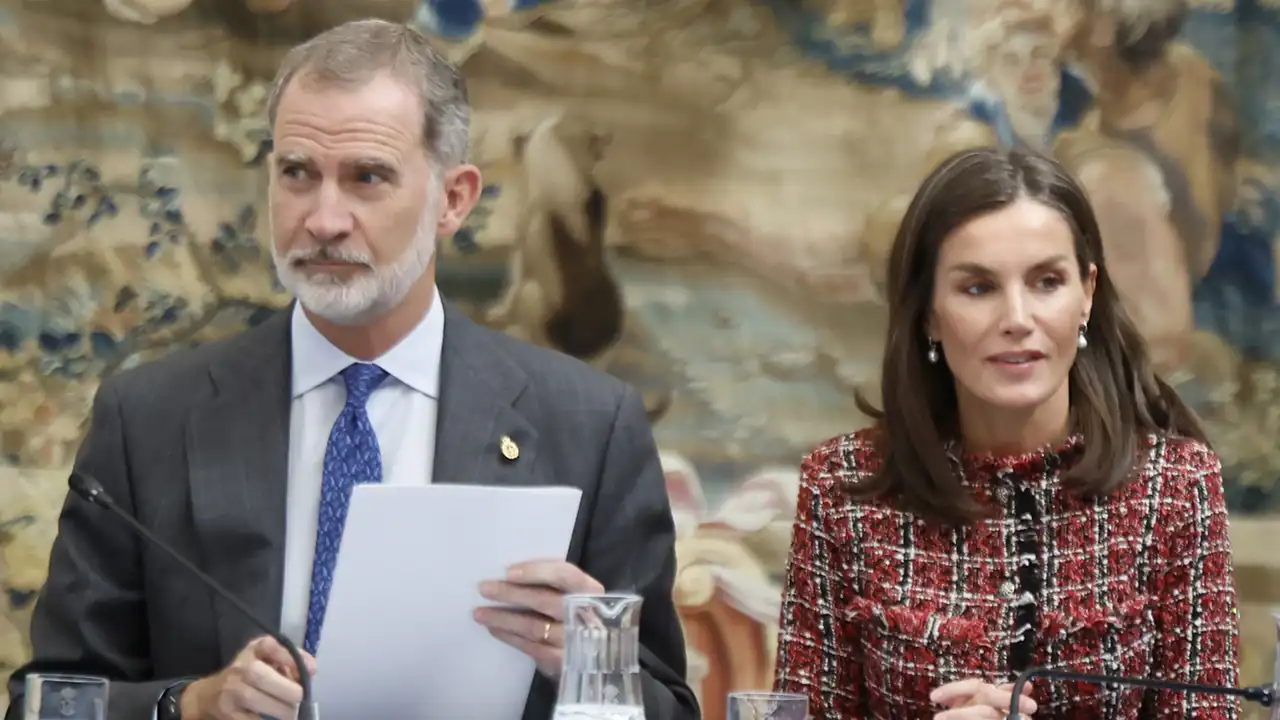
403, 413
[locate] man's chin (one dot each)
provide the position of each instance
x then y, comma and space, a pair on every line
335, 303
339, 314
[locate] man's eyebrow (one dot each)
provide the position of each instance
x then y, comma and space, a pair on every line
374, 165
291, 158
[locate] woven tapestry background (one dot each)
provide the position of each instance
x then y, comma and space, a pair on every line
756, 156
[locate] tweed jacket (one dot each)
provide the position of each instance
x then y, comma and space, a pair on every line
880, 606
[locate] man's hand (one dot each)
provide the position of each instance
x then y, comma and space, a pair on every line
262, 681
537, 588
974, 699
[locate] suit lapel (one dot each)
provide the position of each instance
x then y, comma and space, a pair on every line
237, 450
479, 385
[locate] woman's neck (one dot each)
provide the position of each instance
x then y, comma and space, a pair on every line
1000, 431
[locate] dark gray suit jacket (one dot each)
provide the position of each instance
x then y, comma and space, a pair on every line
195, 445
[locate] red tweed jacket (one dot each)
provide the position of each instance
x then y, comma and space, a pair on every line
880, 607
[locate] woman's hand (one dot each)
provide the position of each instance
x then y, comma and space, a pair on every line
974, 699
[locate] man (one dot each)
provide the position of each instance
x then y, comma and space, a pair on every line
241, 453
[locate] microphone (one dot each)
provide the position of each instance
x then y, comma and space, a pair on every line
93, 492
1263, 695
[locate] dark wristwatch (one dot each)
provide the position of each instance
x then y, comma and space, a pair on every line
171, 703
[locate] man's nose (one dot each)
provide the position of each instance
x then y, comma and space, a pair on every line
330, 219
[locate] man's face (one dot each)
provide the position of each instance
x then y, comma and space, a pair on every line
355, 206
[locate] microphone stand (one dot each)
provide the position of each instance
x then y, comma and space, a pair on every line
1263, 695
93, 492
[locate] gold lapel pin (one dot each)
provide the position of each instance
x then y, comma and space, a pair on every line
510, 450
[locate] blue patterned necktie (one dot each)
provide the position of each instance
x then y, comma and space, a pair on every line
352, 457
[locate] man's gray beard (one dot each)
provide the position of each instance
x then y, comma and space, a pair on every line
364, 297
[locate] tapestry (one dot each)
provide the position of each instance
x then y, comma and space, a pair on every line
754, 156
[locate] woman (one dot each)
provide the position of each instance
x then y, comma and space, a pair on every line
1030, 494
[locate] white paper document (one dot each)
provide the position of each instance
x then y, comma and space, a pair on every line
399, 639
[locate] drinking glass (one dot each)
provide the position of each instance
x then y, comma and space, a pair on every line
767, 706
65, 697
600, 675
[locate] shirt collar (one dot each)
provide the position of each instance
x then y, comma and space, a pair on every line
414, 361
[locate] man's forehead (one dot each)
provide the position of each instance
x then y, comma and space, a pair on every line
351, 124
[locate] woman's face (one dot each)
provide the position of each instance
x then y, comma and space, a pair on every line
1008, 305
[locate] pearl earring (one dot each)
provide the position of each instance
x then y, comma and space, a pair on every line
932, 354
1082, 342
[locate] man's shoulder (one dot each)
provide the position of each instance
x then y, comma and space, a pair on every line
178, 370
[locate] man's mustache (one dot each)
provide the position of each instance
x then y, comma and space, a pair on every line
328, 253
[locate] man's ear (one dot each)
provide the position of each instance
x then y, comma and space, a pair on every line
460, 191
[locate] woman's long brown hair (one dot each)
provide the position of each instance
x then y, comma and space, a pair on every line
1116, 397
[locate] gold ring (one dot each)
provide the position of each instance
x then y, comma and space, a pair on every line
546, 633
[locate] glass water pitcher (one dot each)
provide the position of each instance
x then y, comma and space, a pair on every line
600, 677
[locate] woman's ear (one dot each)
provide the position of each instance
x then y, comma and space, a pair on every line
1090, 284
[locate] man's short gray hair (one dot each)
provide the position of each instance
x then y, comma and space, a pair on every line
354, 52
